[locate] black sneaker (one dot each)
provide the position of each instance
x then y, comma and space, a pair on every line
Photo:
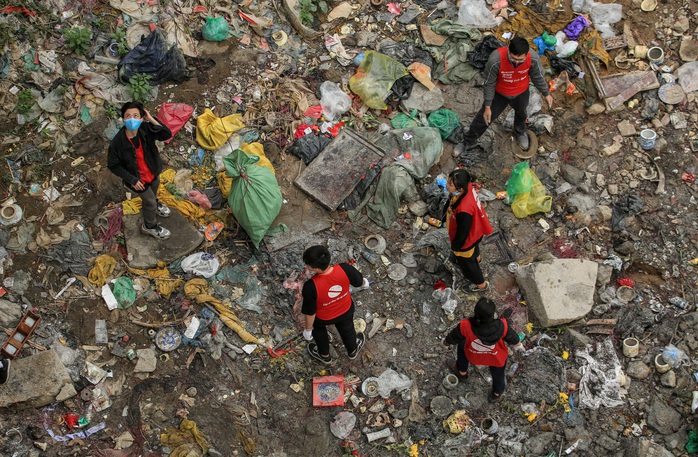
159, 232
475, 288
314, 353
162, 210
5, 370
360, 340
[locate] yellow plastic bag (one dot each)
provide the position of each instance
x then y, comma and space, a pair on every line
535, 201
213, 131
374, 78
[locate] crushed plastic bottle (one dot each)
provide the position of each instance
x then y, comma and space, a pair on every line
678, 302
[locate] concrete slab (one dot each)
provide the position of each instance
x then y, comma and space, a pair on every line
34, 381
558, 291
334, 174
303, 218
147, 251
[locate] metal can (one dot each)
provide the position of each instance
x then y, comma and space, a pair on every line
512, 267
130, 354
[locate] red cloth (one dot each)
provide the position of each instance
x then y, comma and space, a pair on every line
479, 353
174, 116
481, 224
333, 297
512, 81
147, 176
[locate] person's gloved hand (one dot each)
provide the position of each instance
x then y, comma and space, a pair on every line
519, 348
308, 334
365, 284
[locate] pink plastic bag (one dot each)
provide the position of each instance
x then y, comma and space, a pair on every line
199, 198
174, 116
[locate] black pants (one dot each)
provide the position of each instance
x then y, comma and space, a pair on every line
149, 197
518, 104
471, 267
345, 327
498, 373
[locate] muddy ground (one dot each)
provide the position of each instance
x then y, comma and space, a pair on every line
246, 403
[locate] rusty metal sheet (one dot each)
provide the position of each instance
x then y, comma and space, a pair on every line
334, 174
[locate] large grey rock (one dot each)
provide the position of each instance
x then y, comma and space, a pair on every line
34, 381
572, 174
576, 339
423, 99
558, 291
637, 369
540, 444
647, 448
10, 313
663, 418
146, 250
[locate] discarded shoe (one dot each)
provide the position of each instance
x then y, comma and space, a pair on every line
5, 370
453, 367
159, 232
522, 138
162, 210
314, 353
360, 340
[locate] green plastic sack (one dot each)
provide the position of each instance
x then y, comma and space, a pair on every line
255, 197
532, 202
549, 40
215, 29
403, 121
374, 78
445, 120
692, 444
124, 292
520, 180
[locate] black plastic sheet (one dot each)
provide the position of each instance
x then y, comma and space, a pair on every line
151, 57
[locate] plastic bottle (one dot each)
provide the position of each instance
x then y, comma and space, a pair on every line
434, 221
370, 258
577, 5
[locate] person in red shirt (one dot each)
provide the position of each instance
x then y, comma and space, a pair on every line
467, 223
508, 73
134, 157
481, 341
327, 301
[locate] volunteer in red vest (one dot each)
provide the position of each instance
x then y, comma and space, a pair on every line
327, 301
481, 341
467, 223
508, 72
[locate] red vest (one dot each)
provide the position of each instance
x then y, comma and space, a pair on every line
479, 353
481, 224
333, 297
512, 81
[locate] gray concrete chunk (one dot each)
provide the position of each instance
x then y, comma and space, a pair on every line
34, 381
146, 250
558, 291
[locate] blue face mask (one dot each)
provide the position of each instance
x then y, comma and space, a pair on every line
455, 193
132, 124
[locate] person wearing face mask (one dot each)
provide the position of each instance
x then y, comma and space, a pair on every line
508, 73
134, 157
467, 223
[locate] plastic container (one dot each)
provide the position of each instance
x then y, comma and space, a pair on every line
631, 347
648, 138
434, 221
577, 5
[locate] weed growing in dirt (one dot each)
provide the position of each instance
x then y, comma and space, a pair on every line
102, 23
111, 111
78, 39
307, 8
140, 87
119, 37
25, 101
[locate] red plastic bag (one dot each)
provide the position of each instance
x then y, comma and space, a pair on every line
174, 116
199, 198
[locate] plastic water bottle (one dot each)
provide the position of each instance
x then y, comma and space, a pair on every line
577, 5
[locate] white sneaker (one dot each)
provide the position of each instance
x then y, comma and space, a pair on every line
162, 210
158, 232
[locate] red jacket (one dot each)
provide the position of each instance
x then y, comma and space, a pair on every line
470, 203
512, 81
479, 353
333, 297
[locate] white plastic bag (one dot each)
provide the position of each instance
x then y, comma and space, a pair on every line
674, 356
604, 14
201, 264
447, 299
567, 49
224, 151
600, 383
334, 101
474, 13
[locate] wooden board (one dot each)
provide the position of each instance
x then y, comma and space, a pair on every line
334, 174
